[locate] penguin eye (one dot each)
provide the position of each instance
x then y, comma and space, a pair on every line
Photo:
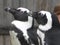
25, 11
39, 13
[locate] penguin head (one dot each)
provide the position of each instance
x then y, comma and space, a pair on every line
19, 13
40, 17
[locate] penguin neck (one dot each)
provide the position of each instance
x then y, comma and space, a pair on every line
23, 25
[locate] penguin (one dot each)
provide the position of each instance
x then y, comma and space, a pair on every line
24, 32
48, 28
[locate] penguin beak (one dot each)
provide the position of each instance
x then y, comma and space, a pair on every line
7, 9
11, 10
34, 14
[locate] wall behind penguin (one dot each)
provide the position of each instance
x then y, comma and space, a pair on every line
33, 5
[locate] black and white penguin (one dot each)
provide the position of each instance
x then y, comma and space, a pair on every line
24, 32
49, 27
